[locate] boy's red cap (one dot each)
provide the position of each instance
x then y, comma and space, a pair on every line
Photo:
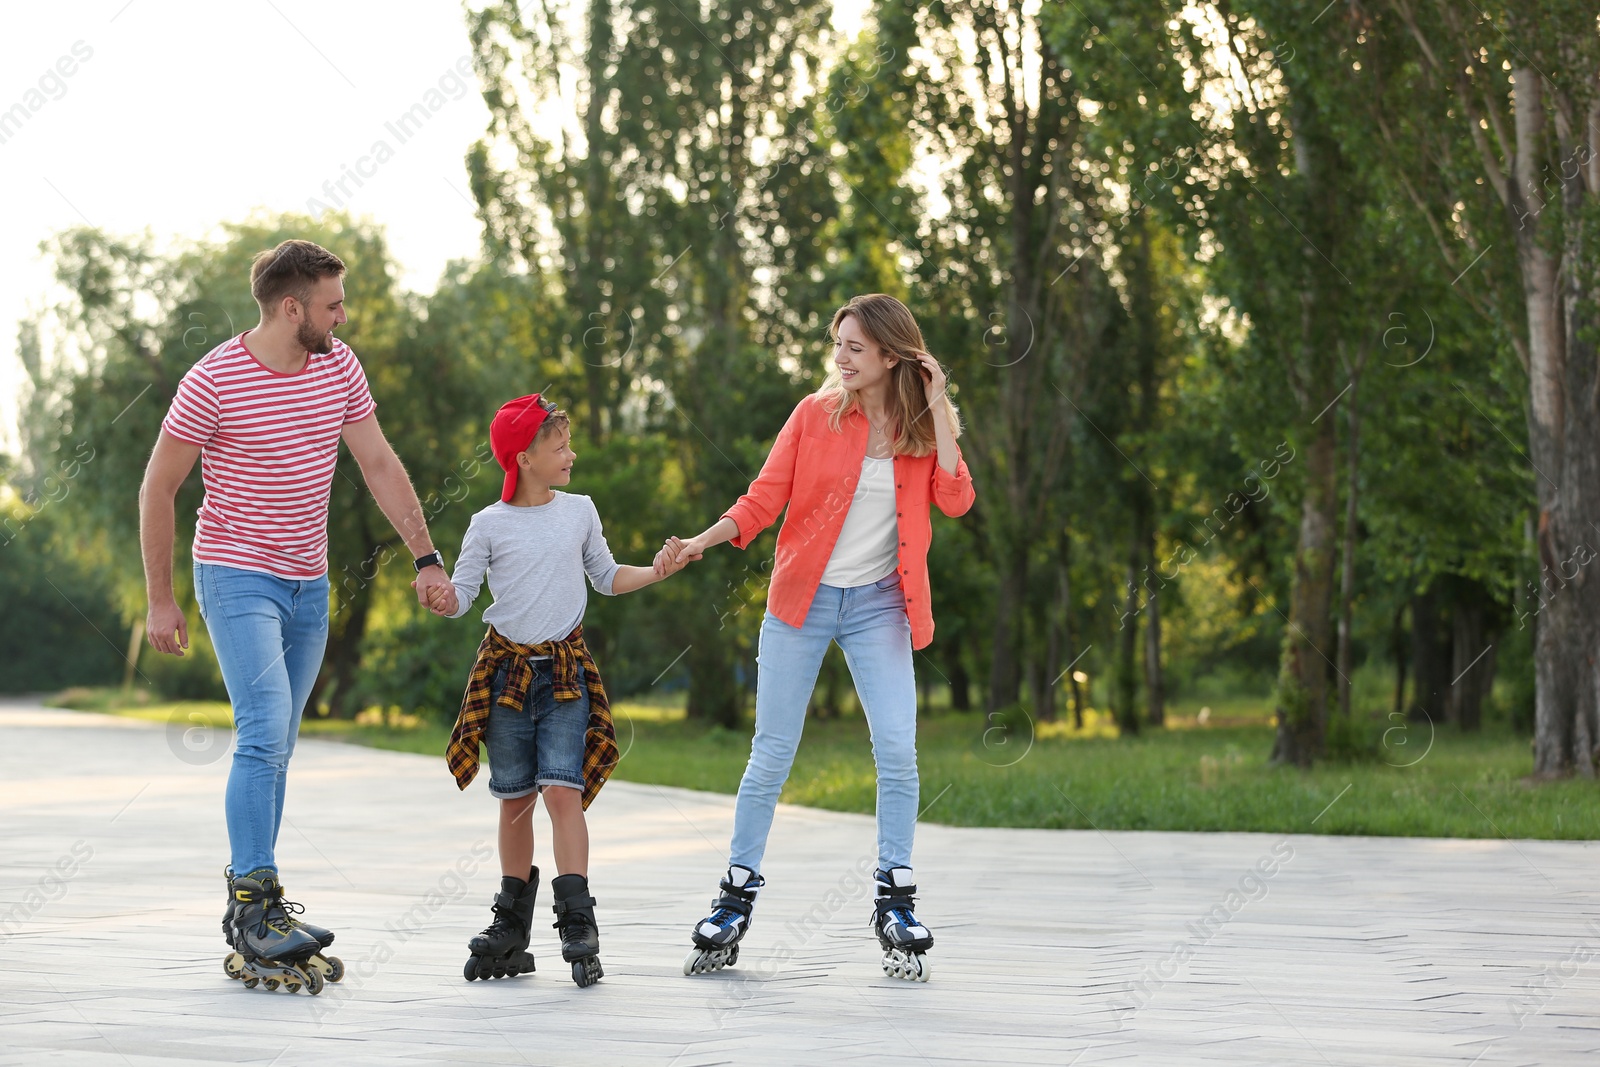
512, 431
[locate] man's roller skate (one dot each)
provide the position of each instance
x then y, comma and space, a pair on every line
580, 937
716, 937
501, 951
331, 967
903, 938
267, 947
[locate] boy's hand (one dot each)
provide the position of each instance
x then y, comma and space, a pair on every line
672, 558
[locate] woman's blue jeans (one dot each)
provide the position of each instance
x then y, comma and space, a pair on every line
869, 622
269, 634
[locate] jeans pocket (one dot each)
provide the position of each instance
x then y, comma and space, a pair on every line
888, 581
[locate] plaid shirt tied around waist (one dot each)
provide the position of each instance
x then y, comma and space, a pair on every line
600, 753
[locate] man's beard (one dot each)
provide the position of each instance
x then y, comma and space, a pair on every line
307, 337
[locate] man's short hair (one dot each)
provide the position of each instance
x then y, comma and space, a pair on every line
292, 269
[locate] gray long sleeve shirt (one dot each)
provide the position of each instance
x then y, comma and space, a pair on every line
535, 559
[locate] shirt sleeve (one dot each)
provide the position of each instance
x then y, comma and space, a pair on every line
769, 493
471, 566
953, 493
598, 562
359, 403
196, 412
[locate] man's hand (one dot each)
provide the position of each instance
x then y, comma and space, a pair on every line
434, 590
166, 629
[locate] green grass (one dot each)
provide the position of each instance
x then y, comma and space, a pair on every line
976, 772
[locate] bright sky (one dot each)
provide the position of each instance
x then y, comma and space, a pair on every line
176, 115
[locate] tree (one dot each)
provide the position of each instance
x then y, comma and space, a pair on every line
694, 188
1493, 118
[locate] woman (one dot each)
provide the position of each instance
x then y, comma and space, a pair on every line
857, 465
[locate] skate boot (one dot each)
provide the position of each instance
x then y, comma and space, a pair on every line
267, 948
903, 938
501, 951
332, 967
717, 936
580, 937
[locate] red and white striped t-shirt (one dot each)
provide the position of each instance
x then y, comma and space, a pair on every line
268, 444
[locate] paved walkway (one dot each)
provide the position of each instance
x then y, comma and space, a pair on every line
1055, 947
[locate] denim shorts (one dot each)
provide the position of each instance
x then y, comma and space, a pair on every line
543, 744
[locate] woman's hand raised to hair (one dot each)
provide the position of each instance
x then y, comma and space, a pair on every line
932, 374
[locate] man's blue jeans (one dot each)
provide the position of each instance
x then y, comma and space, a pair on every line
869, 622
269, 634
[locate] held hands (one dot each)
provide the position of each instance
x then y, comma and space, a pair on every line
438, 597
676, 554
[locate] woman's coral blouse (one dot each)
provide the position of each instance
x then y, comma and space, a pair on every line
814, 472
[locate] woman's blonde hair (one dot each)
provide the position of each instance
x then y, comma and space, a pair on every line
889, 325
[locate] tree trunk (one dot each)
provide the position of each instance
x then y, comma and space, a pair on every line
1397, 649
349, 612
960, 680
1303, 678
1472, 662
714, 695
1005, 667
1127, 677
1347, 569
1154, 684
1563, 432
1430, 657
135, 645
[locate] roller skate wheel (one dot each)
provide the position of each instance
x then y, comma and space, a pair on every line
586, 972
470, 971
335, 972
251, 982
271, 984
315, 983
233, 965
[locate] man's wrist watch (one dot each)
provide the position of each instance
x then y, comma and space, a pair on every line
432, 559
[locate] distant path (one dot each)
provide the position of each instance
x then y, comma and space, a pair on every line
1353, 951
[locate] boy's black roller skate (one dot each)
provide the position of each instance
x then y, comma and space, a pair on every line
501, 951
580, 937
267, 947
716, 937
331, 967
903, 938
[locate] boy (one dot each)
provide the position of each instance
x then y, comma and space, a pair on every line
535, 696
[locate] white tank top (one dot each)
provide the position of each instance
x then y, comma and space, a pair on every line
868, 545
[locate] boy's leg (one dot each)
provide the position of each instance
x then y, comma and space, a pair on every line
516, 835
305, 637
244, 613
509, 740
787, 661
562, 730
876, 638
569, 832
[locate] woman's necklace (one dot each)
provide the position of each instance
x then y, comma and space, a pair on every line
878, 446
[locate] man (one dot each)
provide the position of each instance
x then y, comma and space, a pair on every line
265, 412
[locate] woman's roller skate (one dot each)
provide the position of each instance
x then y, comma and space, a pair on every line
716, 937
267, 947
903, 938
580, 937
501, 951
331, 967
